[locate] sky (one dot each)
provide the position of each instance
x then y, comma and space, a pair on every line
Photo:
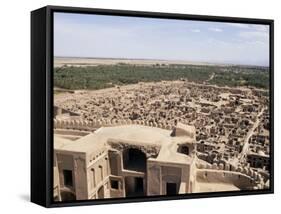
87, 35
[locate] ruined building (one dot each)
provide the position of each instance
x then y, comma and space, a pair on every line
95, 161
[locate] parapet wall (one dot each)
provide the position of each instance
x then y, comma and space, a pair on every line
242, 177
240, 180
83, 125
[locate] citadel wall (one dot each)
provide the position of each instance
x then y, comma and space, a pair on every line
102, 174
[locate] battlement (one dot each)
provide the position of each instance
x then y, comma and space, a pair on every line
84, 125
246, 172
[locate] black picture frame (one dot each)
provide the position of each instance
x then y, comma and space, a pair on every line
42, 103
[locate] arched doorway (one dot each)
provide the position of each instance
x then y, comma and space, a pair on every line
134, 159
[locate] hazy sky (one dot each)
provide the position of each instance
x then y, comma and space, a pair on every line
84, 35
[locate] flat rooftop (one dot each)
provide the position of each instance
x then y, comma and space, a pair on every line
129, 134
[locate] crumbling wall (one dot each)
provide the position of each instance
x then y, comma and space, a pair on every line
121, 145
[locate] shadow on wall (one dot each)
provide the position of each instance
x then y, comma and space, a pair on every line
134, 159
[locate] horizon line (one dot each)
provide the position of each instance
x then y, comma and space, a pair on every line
151, 59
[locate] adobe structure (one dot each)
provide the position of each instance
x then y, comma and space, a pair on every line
95, 160
160, 138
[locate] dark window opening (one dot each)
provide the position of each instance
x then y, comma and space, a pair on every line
114, 184
101, 172
134, 159
171, 188
183, 150
67, 176
139, 185
259, 165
